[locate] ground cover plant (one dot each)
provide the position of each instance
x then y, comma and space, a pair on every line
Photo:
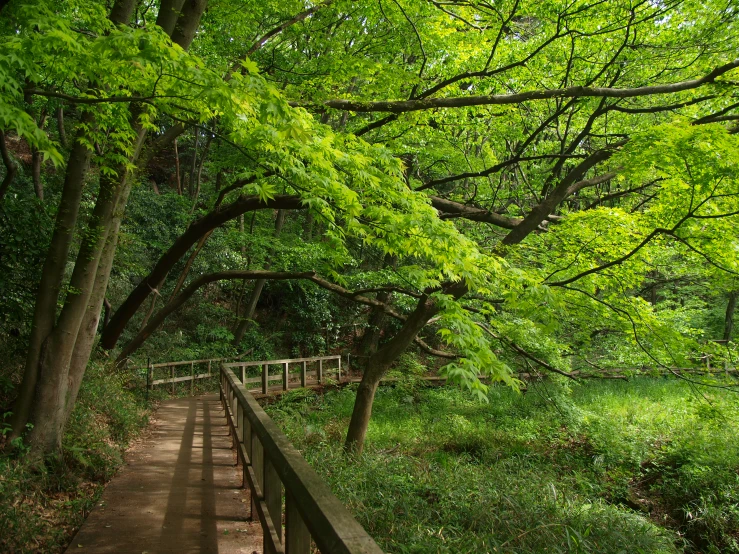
41, 507
609, 466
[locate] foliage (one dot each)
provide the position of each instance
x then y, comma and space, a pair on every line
609, 466
41, 507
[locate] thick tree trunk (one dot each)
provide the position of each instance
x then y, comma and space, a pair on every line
256, 292
729, 319
52, 276
52, 388
169, 12
195, 232
55, 345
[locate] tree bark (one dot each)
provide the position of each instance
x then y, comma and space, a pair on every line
177, 168
52, 276
169, 12
188, 22
60, 126
50, 397
10, 167
380, 362
200, 227
256, 292
729, 319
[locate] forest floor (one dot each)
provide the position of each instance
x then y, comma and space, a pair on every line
648, 466
180, 491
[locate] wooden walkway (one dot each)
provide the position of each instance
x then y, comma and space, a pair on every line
180, 491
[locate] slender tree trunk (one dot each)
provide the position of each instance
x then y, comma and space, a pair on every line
200, 174
10, 167
256, 292
38, 186
193, 166
177, 168
88, 330
729, 319
60, 126
380, 362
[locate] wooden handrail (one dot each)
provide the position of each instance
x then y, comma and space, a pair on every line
271, 462
280, 362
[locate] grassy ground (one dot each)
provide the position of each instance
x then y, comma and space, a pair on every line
640, 467
40, 508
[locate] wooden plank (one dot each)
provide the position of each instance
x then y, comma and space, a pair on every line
273, 496
181, 379
330, 524
277, 362
297, 536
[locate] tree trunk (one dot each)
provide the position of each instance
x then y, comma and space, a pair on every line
729, 319
177, 168
380, 362
194, 232
256, 292
60, 126
52, 276
169, 12
52, 388
88, 330
10, 167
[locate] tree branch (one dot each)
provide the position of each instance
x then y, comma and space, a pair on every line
402, 106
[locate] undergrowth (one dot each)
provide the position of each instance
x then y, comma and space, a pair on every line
41, 507
645, 467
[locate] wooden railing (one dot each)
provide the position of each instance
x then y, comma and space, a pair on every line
270, 462
206, 365
305, 376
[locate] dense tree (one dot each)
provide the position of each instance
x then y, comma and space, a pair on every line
503, 178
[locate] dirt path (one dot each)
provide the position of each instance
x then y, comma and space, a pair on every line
180, 491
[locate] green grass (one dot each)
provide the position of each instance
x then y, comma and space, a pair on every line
610, 466
40, 508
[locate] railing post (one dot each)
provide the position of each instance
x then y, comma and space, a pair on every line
257, 463
338, 371
209, 366
272, 498
320, 371
297, 536
192, 378
285, 376
243, 375
171, 368
265, 378
303, 371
